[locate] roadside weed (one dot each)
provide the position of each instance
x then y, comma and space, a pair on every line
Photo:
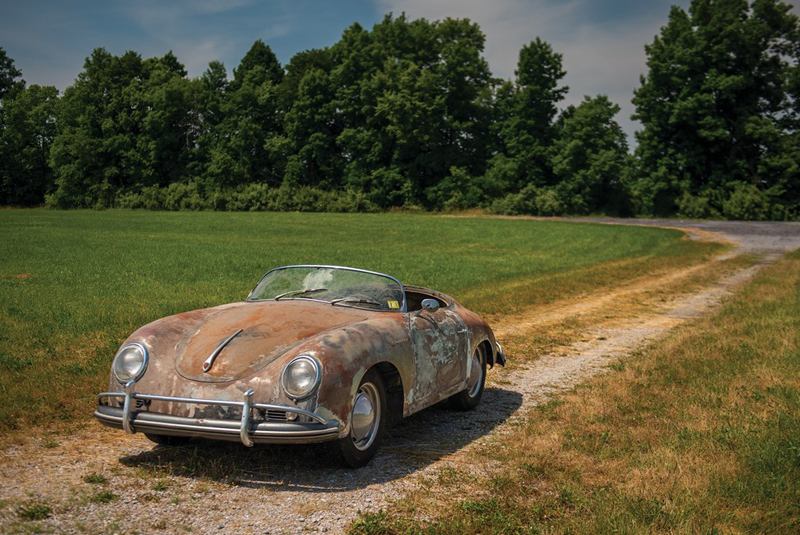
34, 510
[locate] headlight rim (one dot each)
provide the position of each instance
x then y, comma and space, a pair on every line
141, 371
317, 381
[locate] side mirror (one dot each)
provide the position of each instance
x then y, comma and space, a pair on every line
431, 305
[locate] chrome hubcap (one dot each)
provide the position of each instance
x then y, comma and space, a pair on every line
365, 417
476, 372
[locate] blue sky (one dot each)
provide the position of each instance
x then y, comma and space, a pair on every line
602, 40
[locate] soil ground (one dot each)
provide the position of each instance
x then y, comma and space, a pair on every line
96, 480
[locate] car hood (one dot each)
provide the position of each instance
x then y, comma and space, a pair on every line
268, 330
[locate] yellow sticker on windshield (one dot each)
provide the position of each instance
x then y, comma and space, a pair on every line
393, 304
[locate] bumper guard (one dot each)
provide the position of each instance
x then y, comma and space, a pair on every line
501, 357
318, 430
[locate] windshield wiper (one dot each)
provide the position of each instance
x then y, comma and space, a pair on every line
300, 292
357, 300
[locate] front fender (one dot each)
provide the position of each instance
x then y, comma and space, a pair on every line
346, 354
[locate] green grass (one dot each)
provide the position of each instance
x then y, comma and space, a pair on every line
698, 434
95, 479
33, 510
104, 496
74, 284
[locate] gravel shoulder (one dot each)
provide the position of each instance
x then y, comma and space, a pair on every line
216, 488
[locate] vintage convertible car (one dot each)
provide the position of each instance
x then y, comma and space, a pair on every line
315, 353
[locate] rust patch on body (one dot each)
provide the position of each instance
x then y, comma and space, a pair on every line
269, 329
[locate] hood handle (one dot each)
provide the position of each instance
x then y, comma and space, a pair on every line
210, 360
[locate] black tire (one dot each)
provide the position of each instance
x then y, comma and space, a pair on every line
366, 434
469, 398
167, 440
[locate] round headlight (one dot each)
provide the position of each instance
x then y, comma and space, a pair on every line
130, 362
300, 377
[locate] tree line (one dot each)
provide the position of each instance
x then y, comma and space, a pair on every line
408, 115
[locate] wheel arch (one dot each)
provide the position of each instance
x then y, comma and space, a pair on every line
393, 385
489, 351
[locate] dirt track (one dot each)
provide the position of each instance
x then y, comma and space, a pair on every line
216, 488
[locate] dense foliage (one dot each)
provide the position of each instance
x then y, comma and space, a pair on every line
408, 115
720, 113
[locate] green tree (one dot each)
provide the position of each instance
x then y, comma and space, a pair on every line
169, 130
524, 115
465, 76
27, 129
406, 133
411, 103
260, 56
312, 129
297, 68
125, 124
589, 158
208, 97
95, 144
8, 76
719, 109
251, 116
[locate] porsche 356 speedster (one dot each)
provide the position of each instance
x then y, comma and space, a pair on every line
314, 354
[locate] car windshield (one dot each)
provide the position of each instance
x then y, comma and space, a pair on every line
336, 285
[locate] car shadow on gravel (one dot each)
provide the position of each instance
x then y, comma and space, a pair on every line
409, 445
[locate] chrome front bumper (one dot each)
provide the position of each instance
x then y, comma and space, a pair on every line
244, 430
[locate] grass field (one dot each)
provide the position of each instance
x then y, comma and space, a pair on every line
697, 434
74, 284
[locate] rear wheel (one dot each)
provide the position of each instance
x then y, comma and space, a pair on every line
367, 422
469, 398
167, 440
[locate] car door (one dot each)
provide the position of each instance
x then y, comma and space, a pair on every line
440, 345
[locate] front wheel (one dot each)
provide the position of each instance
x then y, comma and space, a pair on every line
367, 422
469, 398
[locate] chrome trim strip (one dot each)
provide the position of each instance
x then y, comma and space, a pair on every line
214, 354
244, 429
265, 406
403, 308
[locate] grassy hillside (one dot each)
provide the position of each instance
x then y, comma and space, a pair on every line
74, 284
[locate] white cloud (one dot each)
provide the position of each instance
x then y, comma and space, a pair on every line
159, 12
599, 58
197, 54
278, 29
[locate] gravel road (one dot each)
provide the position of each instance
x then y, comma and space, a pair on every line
760, 237
222, 488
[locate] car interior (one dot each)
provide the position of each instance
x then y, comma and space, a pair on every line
414, 300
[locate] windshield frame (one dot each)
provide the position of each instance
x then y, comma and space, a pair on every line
403, 307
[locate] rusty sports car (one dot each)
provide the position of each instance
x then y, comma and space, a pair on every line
314, 354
